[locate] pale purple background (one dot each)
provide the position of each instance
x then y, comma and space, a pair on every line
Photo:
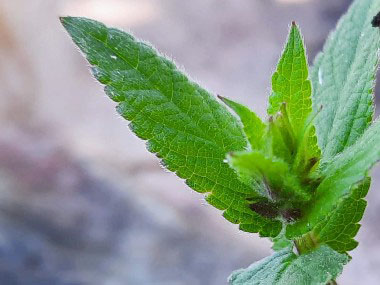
81, 200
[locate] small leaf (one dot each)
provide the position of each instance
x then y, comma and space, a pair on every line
292, 98
253, 127
284, 267
343, 79
183, 124
291, 85
340, 227
279, 139
274, 173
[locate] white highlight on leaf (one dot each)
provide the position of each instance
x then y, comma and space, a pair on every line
113, 56
320, 79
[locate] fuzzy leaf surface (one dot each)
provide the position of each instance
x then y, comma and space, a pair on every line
273, 171
292, 97
290, 83
183, 124
343, 79
340, 227
340, 175
253, 126
284, 268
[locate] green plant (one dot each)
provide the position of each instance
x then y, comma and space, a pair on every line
299, 177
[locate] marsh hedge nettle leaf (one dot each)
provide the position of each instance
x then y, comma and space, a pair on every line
298, 176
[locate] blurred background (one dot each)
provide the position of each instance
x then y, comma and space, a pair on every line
81, 200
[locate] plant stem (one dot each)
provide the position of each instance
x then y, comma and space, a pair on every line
306, 243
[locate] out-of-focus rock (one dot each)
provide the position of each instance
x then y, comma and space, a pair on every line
62, 224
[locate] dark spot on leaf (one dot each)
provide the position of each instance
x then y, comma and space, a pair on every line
313, 161
291, 214
265, 209
376, 21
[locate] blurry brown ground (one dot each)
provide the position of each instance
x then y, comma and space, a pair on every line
81, 200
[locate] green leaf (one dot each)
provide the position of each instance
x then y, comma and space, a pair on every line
253, 127
183, 124
339, 175
280, 141
281, 242
274, 173
292, 98
290, 83
341, 226
284, 267
343, 79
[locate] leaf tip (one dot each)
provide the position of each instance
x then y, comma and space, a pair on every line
66, 21
220, 97
63, 19
226, 101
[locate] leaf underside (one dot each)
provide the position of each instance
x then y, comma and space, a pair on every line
284, 268
343, 79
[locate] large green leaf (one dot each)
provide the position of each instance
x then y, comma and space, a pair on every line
343, 79
183, 124
339, 176
284, 268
